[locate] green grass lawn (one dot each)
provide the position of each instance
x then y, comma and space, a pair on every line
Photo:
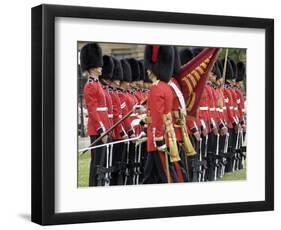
83, 170
84, 163
238, 175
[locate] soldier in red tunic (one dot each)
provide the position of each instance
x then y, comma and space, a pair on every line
92, 62
217, 161
107, 71
232, 123
132, 67
239, 89
221, 122
159, 62
119, 133
185, 147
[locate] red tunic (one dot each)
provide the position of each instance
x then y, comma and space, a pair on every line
235, 105
126, 106
159, 103
97, 108
134, 116
119, 131
203, 112
212, 107
220, 105
139, 95
241, 105
176, 108
229, 104
109, 105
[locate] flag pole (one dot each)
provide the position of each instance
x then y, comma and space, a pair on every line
224, 66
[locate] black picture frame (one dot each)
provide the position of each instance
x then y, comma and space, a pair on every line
43, 113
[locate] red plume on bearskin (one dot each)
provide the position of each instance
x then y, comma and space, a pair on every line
193, 76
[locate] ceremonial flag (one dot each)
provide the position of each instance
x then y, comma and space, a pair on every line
193, 76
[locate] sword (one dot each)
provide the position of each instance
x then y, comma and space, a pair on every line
112, 143
110, 159
106, 179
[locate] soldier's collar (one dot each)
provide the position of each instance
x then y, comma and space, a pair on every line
119, 90
109, 87
156, 82
227, 86
93, 78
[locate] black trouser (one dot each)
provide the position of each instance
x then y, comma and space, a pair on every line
211, 156
137, 163
204, 153
192, 162
222, 159
129, 161
118, 164
240, 154
153, 171
96, 177
231, 149
143, 160
183, 163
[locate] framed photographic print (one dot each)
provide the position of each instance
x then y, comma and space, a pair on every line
142, 114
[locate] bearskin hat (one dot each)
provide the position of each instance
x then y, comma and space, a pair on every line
91, 56
118, 71
159, 59
229, 75
185, 56
135, 69
216, 71
196, 51
127, 72
220, 65
107, 68
241, 71
142, 71
177, 62
234, 67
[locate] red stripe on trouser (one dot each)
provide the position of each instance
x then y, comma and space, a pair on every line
163, 162
179, 172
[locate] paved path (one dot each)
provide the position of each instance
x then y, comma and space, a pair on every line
83, 142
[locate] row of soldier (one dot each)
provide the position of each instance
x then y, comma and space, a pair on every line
158, 142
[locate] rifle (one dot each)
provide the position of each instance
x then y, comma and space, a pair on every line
200, 160
235, 154
224, 151
113, 127
127, 172
205, 157
217, 153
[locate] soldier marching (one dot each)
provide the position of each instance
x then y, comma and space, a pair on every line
145, 129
